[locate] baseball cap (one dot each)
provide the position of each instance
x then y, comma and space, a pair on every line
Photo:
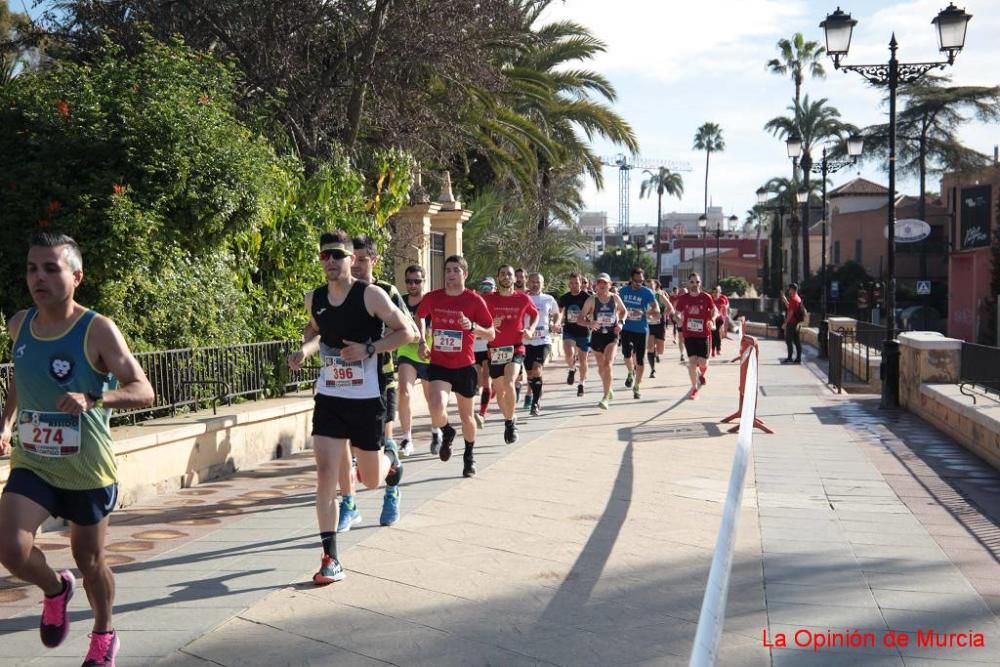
603, 276
487, 281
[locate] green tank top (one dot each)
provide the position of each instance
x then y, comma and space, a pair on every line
73, 453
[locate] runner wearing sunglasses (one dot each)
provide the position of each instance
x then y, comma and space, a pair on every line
699, 313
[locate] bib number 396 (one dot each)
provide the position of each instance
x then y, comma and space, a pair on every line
53, 434
340, 373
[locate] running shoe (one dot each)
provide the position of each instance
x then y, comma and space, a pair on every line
510, 432
527, 400
628, 380
395, 465
348, 516
683, 359
55, 622
570, 376
447, 437
611, 395
103, 649
390, 506
480, 420
579, 390
702, 380
635, 392
693, 395
603, 403
652, 374
330, 571
435, 443
407, 448
534, 410
469, 467
657, 357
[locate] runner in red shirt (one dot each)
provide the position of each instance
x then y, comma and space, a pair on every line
509, 309
699, 314
457, 316
722, 305
678, 320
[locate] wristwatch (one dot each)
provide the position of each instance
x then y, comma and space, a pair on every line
370, 349
97, 400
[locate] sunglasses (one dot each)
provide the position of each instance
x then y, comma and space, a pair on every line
414, 281
694, 282
326, 255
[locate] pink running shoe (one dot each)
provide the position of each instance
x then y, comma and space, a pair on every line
55, 622
693, 395
103, 649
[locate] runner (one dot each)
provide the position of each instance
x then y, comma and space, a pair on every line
679, 320
480, 349
658, 330
722, 305
699, 313
519, 283
540, 345
640, 301
510, 310
604, 313
71, 368
457, 316
411, 366
351, 322
576, 336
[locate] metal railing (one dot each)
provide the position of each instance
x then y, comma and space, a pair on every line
870, 335
980, 368
195, 377
835, 360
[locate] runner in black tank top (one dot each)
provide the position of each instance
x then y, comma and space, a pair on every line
346, 328
604, 313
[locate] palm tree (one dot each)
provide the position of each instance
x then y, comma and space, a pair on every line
813, 123
708, 138
797, 58
785, 190
663, 182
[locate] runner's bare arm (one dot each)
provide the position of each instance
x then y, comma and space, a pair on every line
402, 329
587, 313
108, 351
10, 403
310, 339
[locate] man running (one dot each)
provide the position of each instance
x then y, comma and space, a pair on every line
678, 320
411, 366
519, 281
722, 305
640, 302
72, 367
698, 312
458, 315
604, 313
658, 327
510, 310
540, 344
479, 347
576, 336
355, 322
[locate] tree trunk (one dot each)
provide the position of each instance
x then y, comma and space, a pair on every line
366, 65
707, 154
793, 269
806, 169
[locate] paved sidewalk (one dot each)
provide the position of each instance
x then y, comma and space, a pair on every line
586, 543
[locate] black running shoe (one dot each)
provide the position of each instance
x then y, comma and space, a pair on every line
579, 390
469, 467
510, 432
652, 374
629, 379
447, 437
534, 410
570, 376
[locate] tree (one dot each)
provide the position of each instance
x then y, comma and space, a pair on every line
708, 138
814, 123
662, 182
785, 190
797, 58
734, 285
619, 267
12, 54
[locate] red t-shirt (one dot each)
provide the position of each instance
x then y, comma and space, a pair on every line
696, 311
722, 303
453, 346
793, 305
512, 310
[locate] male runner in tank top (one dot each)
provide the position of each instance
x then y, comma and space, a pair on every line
458, 315
604, 313
355, 322
657, 328
411, 366
68, 361
510, 309
539, 345
640, 302
699, 313
481, 350
576, 336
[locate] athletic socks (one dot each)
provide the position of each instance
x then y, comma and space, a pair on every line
435, 430
484, 401
468, 449
651, 357
329, 539
536, 389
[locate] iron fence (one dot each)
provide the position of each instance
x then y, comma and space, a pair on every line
835, 360
870, 335
980, 368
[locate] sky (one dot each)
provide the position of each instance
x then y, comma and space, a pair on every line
677, 65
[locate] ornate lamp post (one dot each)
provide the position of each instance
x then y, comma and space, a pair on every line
703, 223
951, 24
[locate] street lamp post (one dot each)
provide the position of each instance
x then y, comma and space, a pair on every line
703, 223
951, 24
776, 242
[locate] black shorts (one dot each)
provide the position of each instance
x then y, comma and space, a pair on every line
497, 370
482, 357
599, 341
634, 342
464, 381
84, 508
658, 331
360, 420
696, 347
420, 368
535, 354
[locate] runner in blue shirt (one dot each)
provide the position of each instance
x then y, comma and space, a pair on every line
640, 303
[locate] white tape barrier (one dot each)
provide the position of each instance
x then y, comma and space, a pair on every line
713, 606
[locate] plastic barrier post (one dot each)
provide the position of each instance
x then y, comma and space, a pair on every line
748, 347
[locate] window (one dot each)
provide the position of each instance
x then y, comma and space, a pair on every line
437, 260
836, 252
857, 251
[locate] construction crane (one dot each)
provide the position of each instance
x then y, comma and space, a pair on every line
626, 164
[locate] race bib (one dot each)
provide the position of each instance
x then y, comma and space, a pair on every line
447, 340
635, 314
502, 355
340, 373
53, 434
696, 326
606, 319
572, 316
539, 335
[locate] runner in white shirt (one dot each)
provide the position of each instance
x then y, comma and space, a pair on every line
539, 347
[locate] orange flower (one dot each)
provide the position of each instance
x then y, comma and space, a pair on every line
53, 207
118, 188
63, 108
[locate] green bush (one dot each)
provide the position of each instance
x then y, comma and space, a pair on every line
734, 286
